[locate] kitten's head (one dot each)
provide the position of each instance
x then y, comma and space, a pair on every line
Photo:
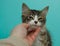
34, 17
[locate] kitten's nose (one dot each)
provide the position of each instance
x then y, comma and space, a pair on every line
35, 22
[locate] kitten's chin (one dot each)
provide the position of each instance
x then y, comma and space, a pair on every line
35, 25
32, 27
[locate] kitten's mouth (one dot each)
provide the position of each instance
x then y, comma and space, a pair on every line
35, 25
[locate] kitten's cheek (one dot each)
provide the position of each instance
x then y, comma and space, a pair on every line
31, 23
39, 24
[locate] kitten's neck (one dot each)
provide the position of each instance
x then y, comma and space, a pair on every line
43, 28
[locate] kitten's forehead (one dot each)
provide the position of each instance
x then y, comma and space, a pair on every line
36, 18
35, 12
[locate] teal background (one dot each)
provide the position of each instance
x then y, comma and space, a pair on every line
10, 16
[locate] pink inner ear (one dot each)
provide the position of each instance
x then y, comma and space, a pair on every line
25, 10
45, 10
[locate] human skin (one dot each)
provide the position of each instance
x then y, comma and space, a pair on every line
19, 36
31, 37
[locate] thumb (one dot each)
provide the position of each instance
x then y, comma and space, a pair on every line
23, 29
25, 25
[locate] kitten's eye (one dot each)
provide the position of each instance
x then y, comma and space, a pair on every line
40, 19
30, 17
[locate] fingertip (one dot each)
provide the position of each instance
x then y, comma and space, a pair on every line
38, 28
36, 32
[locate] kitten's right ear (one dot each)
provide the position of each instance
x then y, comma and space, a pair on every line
45, 10
25, 9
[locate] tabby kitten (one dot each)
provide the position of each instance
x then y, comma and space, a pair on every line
37, 18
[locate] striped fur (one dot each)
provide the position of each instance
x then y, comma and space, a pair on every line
43, 38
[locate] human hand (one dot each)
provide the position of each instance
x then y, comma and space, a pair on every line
31, 36
19, 36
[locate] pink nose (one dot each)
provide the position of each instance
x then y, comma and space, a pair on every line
35, 22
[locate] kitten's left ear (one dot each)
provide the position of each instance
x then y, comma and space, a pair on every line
25, 9
45, 10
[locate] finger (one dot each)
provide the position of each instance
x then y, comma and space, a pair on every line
35, 33
32, 37
30, 40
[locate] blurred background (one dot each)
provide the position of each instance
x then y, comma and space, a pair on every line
11, 11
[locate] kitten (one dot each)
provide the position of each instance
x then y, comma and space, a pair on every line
37, 18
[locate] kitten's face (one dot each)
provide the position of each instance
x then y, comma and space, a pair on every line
34, 17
